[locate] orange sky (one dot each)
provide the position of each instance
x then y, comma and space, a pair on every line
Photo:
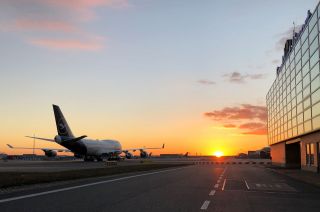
191, 75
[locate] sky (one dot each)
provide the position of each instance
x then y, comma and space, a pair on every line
187, 73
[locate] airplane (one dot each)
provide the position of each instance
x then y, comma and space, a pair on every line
3, 156
84, 148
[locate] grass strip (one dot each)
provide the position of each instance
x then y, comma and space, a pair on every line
9, 179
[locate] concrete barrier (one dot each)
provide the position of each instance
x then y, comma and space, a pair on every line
111, 163
231, 162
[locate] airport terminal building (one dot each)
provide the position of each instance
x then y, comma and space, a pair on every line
293, 101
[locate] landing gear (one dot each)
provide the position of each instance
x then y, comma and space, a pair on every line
88, 158
99, 159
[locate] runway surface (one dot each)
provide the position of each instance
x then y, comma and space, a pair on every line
192, 188
56, 166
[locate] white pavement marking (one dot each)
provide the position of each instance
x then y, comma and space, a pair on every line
82, 186
205, 205
212, 193
216, 185
247, 185
224, 183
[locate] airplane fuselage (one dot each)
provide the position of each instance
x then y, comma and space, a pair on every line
89, 147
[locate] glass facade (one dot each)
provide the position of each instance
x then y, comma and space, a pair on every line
293, 101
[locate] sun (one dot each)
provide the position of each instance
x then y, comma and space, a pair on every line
218, 154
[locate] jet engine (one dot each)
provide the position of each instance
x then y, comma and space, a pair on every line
143, 154
50, 153
57, 139
129, 155
78, 155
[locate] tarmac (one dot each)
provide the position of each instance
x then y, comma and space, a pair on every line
192, 188
57, 166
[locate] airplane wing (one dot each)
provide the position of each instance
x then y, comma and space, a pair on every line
43, 149
44, 139
144, 148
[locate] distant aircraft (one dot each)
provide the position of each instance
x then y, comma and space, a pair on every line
3, 156
84, 148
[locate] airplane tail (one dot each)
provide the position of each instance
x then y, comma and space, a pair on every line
62, 125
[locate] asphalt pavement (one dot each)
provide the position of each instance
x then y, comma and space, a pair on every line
192, 188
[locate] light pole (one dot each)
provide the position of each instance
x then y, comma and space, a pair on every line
34, 143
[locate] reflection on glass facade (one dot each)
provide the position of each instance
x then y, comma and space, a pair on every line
293, 101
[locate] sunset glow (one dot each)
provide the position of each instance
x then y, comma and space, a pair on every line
218, 154
142, 72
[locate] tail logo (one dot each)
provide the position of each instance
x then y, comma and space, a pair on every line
61, 126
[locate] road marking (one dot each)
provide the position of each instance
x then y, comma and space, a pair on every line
84, 185
212, 192
218, 181
205, 205
216, 185
224, 183
247, 185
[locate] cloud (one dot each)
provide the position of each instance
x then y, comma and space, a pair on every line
88, 45
206, 82
244, 112
250, 119
55, 23
43, 25
236, 77
254, 128
229, 126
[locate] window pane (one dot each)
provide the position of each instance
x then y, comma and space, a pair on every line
316, 122
306, 80
300, 129
304, 47
299, 87
300, 118
306, 91
313, 20
305, 34
306, 103
314, 71
305, 59
294, 112
313, 33
314, 46
305, 69
307, 126
298, 77
314, 58
311, 154
299, 108
307, 114
298, 66
315, 84
315, 96
316, 109
294, 131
